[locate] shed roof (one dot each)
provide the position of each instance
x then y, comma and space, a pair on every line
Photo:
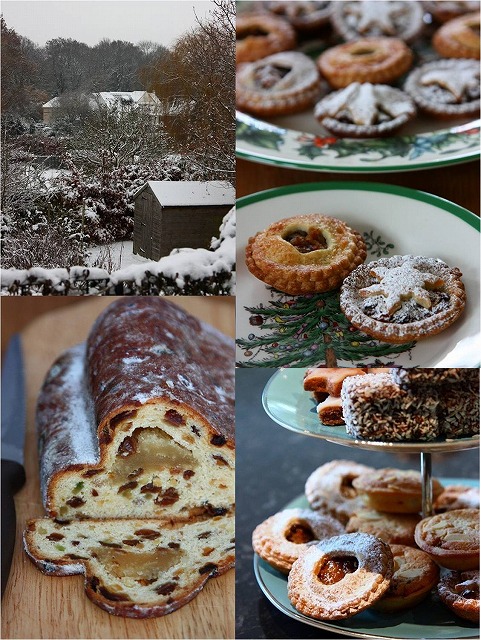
183, 193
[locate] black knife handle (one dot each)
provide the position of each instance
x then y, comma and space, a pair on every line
13, 479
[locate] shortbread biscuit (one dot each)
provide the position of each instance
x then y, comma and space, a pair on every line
340, 576
451, 538
365, 110
305, 254
415, 574
459, 38
280, 84
259, 35
280, 539
403, 298
376, 60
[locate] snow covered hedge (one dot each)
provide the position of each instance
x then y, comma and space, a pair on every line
184, 272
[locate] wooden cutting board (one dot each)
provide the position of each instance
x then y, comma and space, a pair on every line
39, 606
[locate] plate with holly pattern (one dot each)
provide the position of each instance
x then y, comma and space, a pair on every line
280, 330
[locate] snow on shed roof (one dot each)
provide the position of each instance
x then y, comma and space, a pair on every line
182, 193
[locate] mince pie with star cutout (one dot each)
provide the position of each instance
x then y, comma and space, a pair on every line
403, 298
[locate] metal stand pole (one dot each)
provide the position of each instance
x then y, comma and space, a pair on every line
427, 486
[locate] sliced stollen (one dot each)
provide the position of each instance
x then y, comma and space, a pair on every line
133, 568
139, 422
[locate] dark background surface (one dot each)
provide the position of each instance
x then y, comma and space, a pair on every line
272, 465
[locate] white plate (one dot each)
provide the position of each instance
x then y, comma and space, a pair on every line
275, 329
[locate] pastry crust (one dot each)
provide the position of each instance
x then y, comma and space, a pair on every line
394, 490
271, 256
340, 576
459, 590
446, 88
459, 38
281, 538
376, 60
304, 15
259, 35
330, 488
280, 84
451, 538
403, 298
415, 574
456, 496
353, 20
365, 110
444, 10
394, 528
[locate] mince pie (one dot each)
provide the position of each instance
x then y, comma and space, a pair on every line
259, 35
365, 110
303, 15
459, 38
403, 298
459, 590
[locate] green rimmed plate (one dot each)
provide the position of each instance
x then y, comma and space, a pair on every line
429, 620
299, 142
275, 329
286, 402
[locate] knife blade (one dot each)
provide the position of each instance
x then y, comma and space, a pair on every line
13, 414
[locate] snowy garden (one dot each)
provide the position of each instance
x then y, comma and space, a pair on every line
69, 180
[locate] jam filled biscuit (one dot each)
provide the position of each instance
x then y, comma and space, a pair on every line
393, 490
394, 528
303, 15
376, 408
459, 590
403, 298
353, 20
305, 254
280, 539
280, 84
260, 35
459, 38
376, 60
365, 110
457, 496
340, 576
446, 88
330, 489
330, 411
444, 10
451, 538
329, 380
415, 574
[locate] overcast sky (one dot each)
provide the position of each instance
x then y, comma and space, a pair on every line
90, 21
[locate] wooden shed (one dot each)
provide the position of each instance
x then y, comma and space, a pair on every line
171, 215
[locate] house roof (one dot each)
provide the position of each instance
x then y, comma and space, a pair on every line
182, 193
112, 97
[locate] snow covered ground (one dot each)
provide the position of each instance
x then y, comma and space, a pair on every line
115, 256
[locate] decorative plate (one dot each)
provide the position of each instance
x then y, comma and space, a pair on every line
286, 402
276, 329
301, 143
428, 620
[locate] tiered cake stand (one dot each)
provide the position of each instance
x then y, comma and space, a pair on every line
286, 403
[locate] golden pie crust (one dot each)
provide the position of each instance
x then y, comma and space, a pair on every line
444, 10
340, 577
403, 298
280, 539
451, 538
394, 490
304, 15
394, 528
327, 251
415, 574
459, 590
280, 84
376, 60
260, 35
459, 38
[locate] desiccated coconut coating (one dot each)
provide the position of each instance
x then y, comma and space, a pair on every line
133, 568
376, 408
459, 409
415, 377
141, 424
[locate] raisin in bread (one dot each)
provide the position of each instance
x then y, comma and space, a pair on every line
133, 568
139, 422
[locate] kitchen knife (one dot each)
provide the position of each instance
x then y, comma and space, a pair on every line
13, 436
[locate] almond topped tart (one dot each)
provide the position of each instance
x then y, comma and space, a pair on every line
305, 254
403, 298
